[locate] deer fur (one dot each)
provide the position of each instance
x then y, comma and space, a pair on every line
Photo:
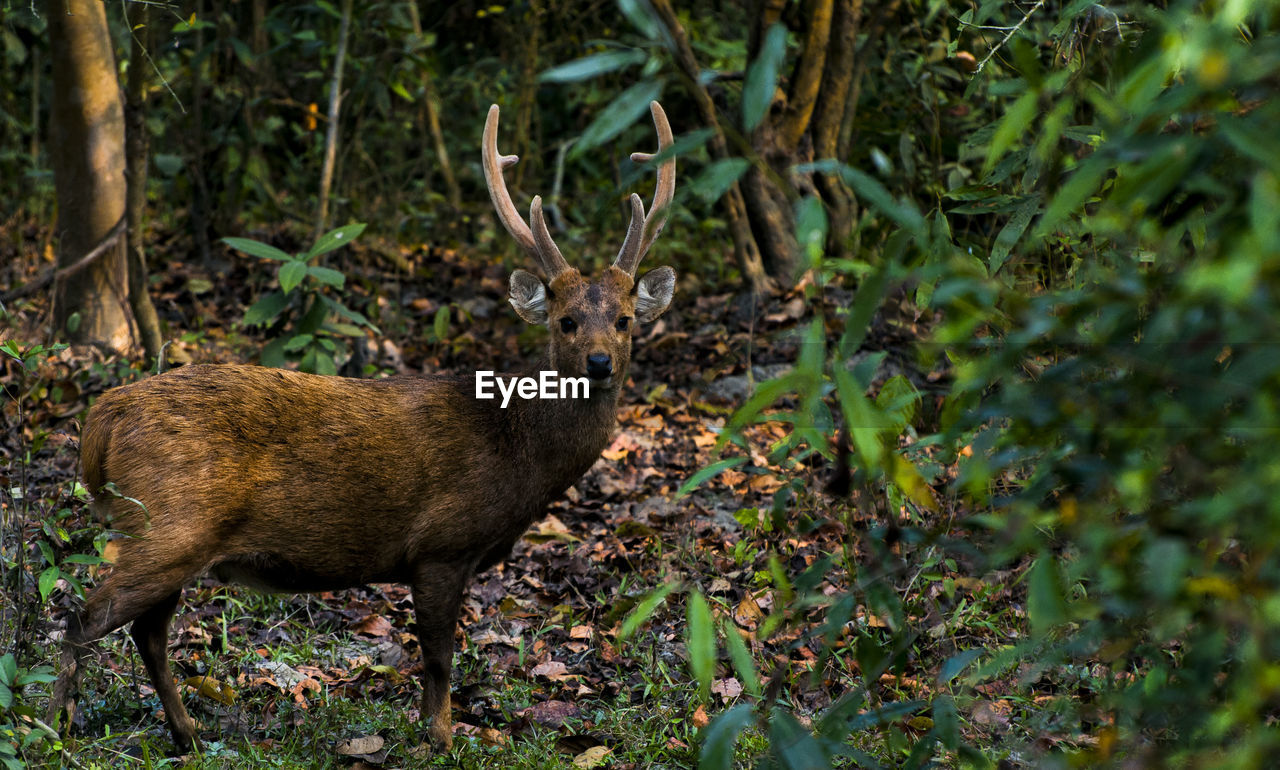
296, 482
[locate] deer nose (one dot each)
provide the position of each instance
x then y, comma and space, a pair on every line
599, 366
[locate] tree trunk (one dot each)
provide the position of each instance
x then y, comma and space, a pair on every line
87, 126
828, 120
331, 133
137, 152
430, 112
745, 248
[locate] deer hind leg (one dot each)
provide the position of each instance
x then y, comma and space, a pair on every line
150, 633
437, 596
142, 586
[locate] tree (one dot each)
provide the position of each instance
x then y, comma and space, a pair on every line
88, 153
808, 121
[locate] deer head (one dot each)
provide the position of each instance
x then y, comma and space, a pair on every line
590, 321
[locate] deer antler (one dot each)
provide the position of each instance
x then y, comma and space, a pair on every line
538, 244
645, 227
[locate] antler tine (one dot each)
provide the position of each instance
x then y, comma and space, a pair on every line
629, 255
641, 235
550, 260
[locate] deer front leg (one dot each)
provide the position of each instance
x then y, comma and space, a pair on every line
437, 595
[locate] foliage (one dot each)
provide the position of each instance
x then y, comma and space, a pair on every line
1111, 406
308, 326
22, 735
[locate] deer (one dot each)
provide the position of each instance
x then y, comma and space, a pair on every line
291, 482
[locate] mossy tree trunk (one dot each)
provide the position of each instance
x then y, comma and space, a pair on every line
88, 154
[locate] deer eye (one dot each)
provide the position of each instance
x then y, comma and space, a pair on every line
623, 323
568, 325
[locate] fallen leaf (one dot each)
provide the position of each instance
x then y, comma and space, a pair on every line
552, 669
551, 713
580, 632
365, 744
550, 529
592, 757
700, 718
374, 625
727, 689
208, 687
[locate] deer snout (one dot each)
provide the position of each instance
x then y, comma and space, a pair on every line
599, 366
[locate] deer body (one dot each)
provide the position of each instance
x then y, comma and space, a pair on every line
295, 482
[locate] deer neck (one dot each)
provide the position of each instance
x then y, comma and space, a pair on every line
567, 435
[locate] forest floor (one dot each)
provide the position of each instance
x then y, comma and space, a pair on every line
542, 676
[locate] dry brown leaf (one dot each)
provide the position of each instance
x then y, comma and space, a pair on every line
747, 613
552, 669
704, 440
727, 689
592, 757
374, 625
580, 632
700, 718
551, 713
365, 744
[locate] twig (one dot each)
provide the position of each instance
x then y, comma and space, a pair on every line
104, 245
1009, 34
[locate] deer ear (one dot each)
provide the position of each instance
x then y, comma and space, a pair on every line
529, 297
653, 293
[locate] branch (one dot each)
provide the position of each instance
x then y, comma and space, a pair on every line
1009, 34
62, 273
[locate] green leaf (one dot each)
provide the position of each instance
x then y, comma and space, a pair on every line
298, 342
8, 668
265, 310
645, 608
347, 313
811, 228
1046, 606
273, 353
440, 324
716, 179
701, 641
946, 725
335, 239
291, 274
327, 275
741, 657
619, 115
257, 249
903, 212
643, 17
795, 746
1072, 195
719, 737
898, 400
6, 696
952, 666
1015, 122
861, 419
705, 473
48, 581
83, 558
762, 77
1011, 232
593, 65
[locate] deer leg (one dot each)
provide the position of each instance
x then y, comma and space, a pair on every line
437, 596
138, 584
151, 634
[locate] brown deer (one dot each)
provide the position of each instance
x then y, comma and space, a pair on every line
295, 482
